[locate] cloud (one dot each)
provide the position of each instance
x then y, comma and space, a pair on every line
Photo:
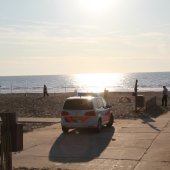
31, 33
43, 33
39, 40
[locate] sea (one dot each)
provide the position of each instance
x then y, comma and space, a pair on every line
119, 82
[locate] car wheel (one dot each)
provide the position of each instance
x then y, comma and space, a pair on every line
111, 120
99, 126
65, 130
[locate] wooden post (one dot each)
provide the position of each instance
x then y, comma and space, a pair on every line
6, 151
11, 139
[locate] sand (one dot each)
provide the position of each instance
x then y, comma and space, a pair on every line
35, 105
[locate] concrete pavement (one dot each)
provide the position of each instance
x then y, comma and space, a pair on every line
130, 145
37, 120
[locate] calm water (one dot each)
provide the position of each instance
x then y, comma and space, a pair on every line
85, 82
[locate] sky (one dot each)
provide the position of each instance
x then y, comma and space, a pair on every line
43, 37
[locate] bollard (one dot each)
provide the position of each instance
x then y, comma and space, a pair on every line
11, 139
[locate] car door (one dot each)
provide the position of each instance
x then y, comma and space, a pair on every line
106, 111
101, 109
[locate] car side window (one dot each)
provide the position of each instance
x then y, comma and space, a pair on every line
95, 103
100, 103
104, 102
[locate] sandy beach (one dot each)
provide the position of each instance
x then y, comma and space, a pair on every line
35, 105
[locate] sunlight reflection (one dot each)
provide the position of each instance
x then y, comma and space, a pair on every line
97, 82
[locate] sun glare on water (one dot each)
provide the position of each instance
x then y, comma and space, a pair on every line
97, 82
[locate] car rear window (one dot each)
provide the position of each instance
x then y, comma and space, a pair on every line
78, 104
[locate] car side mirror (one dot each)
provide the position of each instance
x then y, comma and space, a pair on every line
108, 106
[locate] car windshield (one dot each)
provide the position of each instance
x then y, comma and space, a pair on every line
78, 104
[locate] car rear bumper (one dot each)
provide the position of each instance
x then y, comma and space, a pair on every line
82, 123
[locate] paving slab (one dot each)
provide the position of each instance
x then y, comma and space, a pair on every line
132, 143
149, 165
138, 130
160, 149
95, 164
133, 136
101, 164
167, 128
39, 136
123, 153
159, 154
31, 161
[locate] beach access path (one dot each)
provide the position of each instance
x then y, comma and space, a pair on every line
129, 145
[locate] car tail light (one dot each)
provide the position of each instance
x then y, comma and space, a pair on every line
84, 119
64, 113
91, 113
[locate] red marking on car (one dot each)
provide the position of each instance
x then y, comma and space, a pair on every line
84, 119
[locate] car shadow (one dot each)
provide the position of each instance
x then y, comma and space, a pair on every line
80, 145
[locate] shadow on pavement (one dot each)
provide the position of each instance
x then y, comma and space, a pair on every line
157, 111
150, 122
153, 112
80, 145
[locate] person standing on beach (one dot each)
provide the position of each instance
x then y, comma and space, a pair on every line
136, 88
45, 90
165, 96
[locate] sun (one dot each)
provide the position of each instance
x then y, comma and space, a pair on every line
95, 6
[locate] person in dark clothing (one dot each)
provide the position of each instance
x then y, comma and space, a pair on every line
136, 88
45, 90
165, 96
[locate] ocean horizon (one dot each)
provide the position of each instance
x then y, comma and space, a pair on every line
147, 81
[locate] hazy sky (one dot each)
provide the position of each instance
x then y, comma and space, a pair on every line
84, 36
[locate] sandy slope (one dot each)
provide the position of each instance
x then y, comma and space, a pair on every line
35, 105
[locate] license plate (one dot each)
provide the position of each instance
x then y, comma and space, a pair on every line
76, 119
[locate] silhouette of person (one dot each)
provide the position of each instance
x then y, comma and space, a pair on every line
136, 88
105, 93
45, 90
165, 96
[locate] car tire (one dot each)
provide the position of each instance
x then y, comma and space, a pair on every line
111, 120
65, 130
99, 126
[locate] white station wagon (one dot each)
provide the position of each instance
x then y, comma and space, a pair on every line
86, 112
